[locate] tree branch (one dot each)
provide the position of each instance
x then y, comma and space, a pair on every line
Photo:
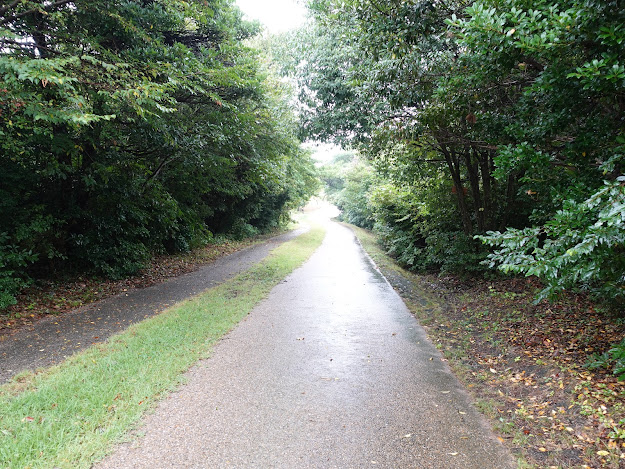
163, 163
26, 46
8, 7
32, 11
377, 7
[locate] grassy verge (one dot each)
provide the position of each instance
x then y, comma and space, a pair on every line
526, 365
415, 291
70, 415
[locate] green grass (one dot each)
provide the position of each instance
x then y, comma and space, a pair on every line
71, 415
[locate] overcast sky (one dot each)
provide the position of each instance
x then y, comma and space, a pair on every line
277, 15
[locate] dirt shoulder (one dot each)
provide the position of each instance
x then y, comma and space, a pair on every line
525, 364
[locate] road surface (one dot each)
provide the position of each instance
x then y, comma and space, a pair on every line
331, 371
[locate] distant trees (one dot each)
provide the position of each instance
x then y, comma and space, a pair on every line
497, 119
348, 181
132, 127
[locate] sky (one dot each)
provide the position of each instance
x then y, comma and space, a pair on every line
277, 15
323, 152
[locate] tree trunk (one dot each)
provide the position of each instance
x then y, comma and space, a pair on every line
453, 164
474, 181
510, 197
486, 169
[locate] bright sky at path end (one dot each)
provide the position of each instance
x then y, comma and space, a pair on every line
276, 15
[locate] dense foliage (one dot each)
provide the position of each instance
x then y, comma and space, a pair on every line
131, 127
496, 119
348, 180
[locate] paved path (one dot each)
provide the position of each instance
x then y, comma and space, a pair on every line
331, 371
54, 338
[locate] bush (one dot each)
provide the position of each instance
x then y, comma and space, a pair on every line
618, 355
418, 227
353, 198
241, 229
454, 251
580, 248
13, 262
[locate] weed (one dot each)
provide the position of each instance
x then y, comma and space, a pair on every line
487, 407
520, 438
505, 426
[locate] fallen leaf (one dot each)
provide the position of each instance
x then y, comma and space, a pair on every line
603, 453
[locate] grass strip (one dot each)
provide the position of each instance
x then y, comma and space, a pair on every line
71, 414
368, 241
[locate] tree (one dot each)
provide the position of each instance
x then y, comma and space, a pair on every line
392, 63
349, 181
133, 127
565, 139
515, 107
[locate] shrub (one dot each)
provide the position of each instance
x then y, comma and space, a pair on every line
13, 262
580, 248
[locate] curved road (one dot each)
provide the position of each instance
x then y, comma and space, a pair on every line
331, 371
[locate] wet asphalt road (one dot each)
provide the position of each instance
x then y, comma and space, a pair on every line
54, 338
331, 371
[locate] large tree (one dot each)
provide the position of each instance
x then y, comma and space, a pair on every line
514, 107
133, 126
